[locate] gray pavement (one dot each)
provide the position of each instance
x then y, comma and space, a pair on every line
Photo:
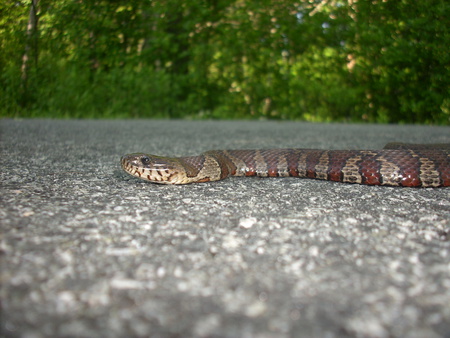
88, 251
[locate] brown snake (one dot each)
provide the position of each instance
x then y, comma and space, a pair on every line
398, 164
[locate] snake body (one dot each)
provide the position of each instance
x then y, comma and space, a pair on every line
397, 164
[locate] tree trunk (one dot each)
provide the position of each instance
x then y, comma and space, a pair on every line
31, 50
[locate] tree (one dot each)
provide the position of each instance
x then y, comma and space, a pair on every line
327, 60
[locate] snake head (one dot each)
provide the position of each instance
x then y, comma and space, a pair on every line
153, 168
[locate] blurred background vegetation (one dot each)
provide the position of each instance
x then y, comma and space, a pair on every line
316, 60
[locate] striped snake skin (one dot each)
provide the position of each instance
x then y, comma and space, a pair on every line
398, 164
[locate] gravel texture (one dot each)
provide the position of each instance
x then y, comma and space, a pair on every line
89, 251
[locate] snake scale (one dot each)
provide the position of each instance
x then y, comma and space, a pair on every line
397, 164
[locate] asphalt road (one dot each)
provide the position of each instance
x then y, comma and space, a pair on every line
89, 251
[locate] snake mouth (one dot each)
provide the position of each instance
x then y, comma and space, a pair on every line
128, 167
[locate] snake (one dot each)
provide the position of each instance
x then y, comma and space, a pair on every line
396, 165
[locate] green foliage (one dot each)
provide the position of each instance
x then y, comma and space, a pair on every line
375, 61
403, 60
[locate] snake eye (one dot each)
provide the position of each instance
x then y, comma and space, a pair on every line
145, 160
